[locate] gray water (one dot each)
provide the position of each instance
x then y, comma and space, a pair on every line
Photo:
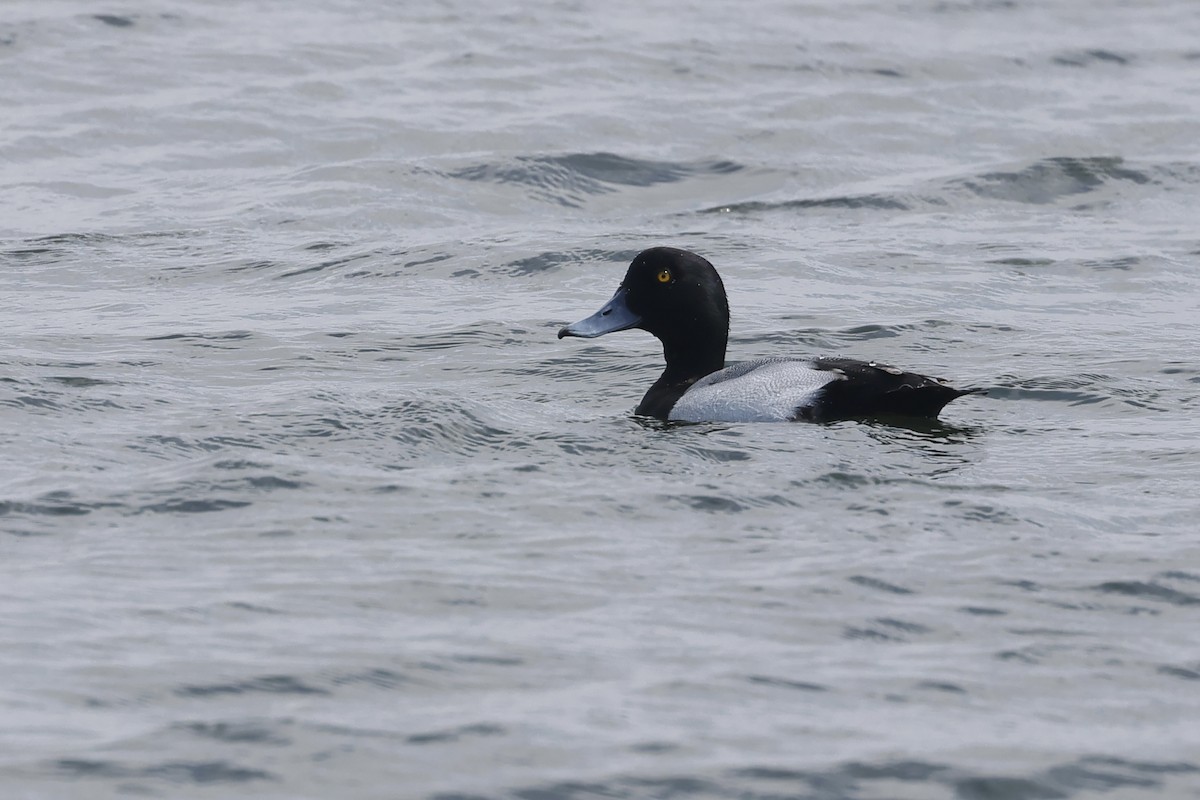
304, 499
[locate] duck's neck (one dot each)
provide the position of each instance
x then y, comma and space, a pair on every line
692, 362
685, 366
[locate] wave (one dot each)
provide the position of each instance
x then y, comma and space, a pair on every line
568, 179
1042, 182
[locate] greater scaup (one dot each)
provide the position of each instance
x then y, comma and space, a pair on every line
678, 296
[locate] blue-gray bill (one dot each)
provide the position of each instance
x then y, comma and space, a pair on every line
614, 316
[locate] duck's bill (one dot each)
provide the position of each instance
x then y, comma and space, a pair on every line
615, 316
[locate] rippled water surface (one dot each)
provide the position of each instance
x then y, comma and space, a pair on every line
303, 498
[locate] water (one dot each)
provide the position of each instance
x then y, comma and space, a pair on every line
303, 498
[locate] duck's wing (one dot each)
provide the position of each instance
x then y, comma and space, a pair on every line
767, 390
816, 390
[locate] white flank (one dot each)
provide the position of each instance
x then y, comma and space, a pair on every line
769, 390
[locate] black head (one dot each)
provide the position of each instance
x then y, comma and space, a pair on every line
675, 295
678, 295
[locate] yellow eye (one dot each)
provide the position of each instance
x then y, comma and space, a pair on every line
664, 276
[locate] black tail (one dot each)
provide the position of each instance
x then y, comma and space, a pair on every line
868, 389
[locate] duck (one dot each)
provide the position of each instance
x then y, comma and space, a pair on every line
677, 296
